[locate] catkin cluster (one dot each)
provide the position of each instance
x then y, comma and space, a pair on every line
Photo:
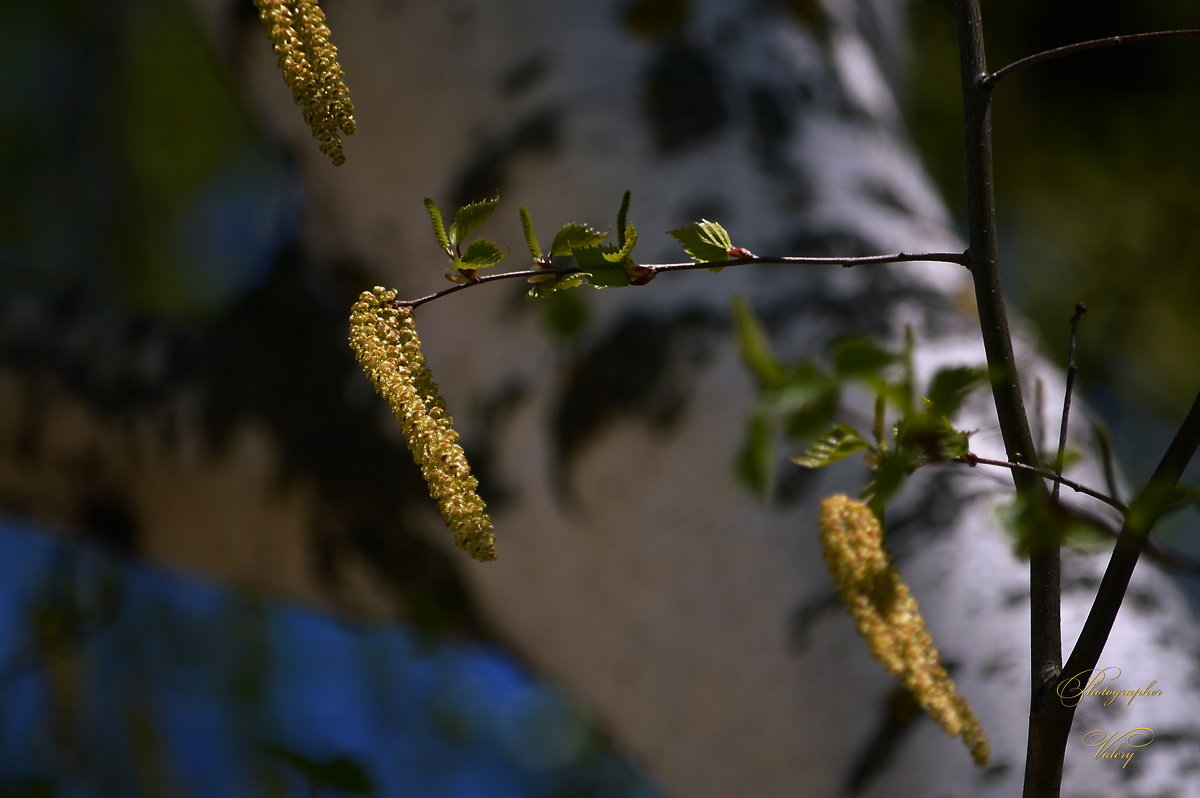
385, 340
887, 616
310, 67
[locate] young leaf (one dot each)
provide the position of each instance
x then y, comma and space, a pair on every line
551, 287
857, 357
535, 249
571, 237
836, 444
950, 387
1039, 525
753, 344
607, 265
439, 229
809, 419
628, 242
887, 477
470, 218
480, 255
703, 241
602, 271
928, 438
622, 217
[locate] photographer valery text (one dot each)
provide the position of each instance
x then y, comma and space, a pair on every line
1087, 683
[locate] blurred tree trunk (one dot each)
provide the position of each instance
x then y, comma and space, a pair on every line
698, 624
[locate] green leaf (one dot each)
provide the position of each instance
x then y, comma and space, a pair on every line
622, 218
470, 218
607, 265
628, 242
602, 271
814, 416
571, 237
806, 400
836, 444
755, 465
439, 229
887, 477
1072, 455
550, 287
928, 438
880, 418
535, 249
703, 241
950, 387
753, 344
858, 357
480, 255
1039, 526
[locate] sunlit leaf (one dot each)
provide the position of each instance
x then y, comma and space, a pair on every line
836, 444
535, 249
439, 229
703, 241
571, 237
628, 242
480, 255
623, 218
470, 218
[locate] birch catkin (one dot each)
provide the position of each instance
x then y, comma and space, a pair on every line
310, 67
385, 341
888, 617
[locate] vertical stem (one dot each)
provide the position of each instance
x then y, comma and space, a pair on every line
1044, 758
1080, 309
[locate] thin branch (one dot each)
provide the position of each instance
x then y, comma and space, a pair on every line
1080, 309
1057, 478
752, 260
867, 260
1106, 459
1068, 49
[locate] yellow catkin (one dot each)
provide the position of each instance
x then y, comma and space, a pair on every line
309, 63
888, 617
385, 340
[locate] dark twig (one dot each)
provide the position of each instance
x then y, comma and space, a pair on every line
1080, 309
866, 260
752, 260
1067, 49
1055, 477
1106, 459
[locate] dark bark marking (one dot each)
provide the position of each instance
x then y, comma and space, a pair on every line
682, 99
